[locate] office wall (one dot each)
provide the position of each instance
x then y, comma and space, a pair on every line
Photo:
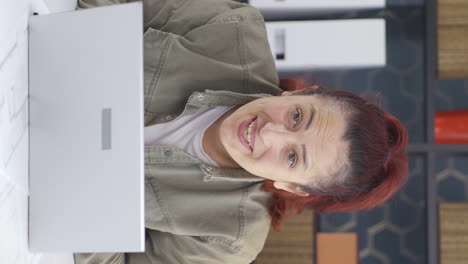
394, 232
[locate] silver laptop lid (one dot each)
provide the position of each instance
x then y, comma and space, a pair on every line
86, 130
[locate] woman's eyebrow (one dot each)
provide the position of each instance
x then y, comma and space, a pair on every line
304, 157
304, 151
311, 116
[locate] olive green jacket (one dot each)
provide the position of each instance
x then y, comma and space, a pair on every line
196, 213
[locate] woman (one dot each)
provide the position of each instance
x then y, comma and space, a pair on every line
225, 157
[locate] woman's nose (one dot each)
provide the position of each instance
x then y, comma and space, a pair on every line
272, 133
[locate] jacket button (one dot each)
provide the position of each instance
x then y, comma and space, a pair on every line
200, 97
168, 153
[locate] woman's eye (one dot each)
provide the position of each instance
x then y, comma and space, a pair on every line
296, 116
292, 158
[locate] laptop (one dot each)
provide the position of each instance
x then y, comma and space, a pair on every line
86, 158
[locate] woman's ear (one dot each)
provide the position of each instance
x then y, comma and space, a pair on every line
289, 187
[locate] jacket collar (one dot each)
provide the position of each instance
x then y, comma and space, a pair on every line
196, 102
212, 173
172, 155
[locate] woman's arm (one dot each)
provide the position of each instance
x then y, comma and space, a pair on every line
174, 16
100, 258
162, 247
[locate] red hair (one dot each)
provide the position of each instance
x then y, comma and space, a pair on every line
377, 156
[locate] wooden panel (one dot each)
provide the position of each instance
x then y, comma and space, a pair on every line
333, 248
293, 245
452, 34
453, 233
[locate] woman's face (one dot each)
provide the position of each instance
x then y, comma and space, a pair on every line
288, 139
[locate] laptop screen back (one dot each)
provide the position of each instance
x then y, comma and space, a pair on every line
86, 130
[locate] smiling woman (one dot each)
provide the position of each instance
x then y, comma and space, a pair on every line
317, 148
292, 139
359, 147
230, 150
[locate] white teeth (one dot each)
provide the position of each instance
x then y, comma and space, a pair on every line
245, 135
248, 133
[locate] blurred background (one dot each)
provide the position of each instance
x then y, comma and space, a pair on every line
397, 232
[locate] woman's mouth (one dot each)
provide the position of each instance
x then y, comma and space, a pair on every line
246, 133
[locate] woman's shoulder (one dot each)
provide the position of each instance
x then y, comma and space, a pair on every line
230, 214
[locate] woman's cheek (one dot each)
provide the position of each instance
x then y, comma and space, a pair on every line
270, 161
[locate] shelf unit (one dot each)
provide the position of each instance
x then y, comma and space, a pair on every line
429, 149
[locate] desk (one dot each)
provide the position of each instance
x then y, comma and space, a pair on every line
14, 136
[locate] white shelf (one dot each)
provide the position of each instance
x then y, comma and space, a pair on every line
272, 9
327, 44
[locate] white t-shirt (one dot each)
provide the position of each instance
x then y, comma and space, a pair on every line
185, 133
